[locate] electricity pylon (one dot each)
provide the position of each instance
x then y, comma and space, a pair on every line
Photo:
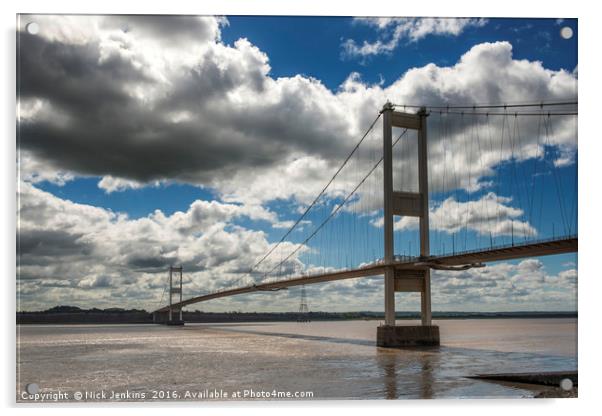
303, 309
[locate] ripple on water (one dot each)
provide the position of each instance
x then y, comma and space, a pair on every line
335, 360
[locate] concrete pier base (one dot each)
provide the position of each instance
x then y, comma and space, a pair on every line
174, 322
394, 336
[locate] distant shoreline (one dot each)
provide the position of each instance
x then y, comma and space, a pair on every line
74, 315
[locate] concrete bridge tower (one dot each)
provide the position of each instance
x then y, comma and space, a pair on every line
175, 288
406, 204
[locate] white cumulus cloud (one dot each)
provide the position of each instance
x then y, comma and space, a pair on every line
392, 30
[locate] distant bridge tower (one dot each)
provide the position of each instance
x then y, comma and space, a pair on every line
175, 288
303, 308
406, 204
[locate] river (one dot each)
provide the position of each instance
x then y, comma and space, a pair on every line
289, 361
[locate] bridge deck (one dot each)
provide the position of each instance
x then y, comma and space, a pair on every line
535, 249
510, 252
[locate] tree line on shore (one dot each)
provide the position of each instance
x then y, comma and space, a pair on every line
74, 314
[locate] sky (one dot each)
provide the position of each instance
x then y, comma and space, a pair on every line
149, 141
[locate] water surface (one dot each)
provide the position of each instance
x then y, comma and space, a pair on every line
331, 360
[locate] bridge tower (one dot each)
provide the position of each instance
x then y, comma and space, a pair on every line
406, 204
175, 288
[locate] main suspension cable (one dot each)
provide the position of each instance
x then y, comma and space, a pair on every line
317, 197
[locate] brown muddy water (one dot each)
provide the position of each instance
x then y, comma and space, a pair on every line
283, 361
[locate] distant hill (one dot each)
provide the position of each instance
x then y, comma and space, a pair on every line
75, 315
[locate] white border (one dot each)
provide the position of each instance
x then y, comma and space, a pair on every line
589, 186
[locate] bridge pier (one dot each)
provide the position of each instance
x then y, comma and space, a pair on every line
399, 336
406, 204
426, 334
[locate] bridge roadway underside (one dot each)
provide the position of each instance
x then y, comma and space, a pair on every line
542, 248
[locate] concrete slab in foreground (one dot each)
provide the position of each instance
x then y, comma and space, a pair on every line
407, 336
550, 378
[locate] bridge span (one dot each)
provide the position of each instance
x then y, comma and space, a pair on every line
411, 200
407, 272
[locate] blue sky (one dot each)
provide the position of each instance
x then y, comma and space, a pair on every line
313, 48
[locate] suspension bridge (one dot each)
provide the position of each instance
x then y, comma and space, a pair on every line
491, 182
